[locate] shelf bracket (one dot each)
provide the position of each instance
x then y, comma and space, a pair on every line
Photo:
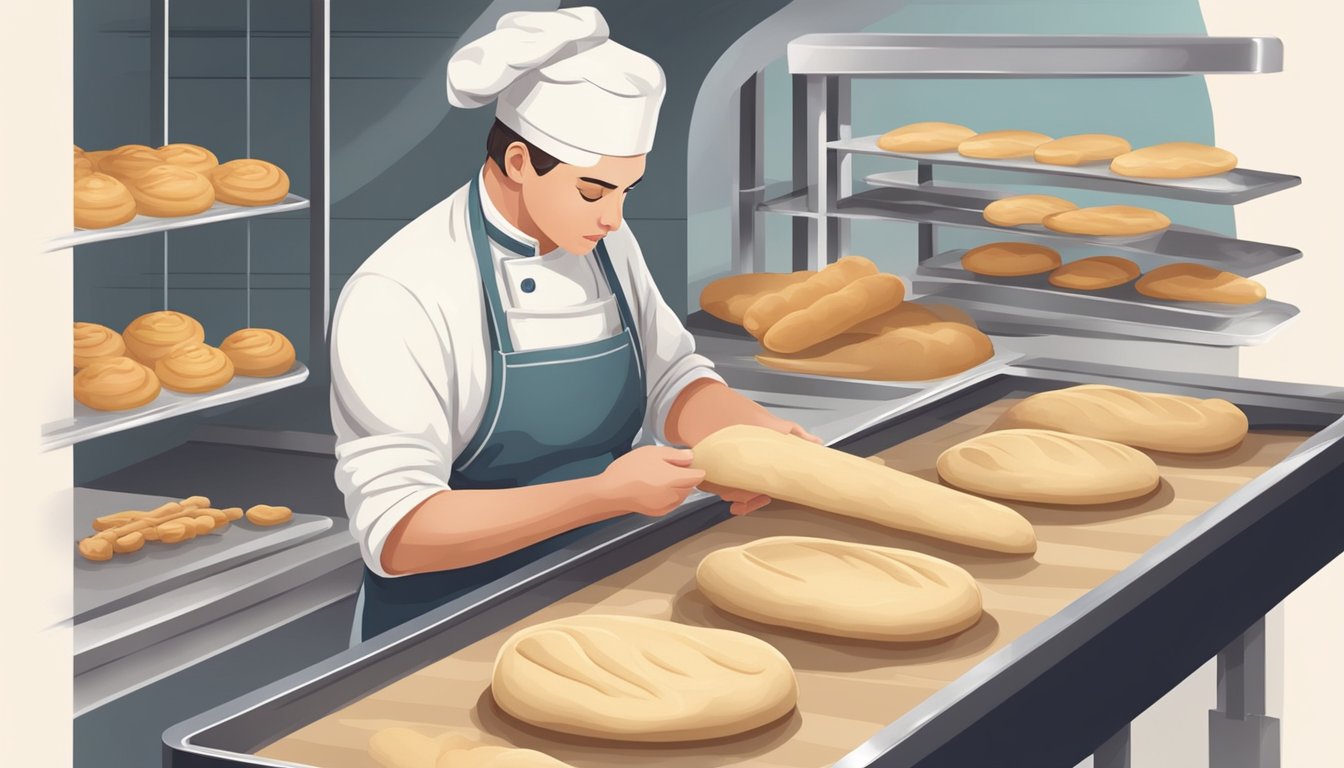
1241, 735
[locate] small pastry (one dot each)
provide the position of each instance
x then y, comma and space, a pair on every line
102, 201
96, 156
115, 384
83, 167
259, 352
194, 368
94, 342
78, 150
265, 514
189, 156
129, 162
169, 190
153, 335
1094, 273
249, 182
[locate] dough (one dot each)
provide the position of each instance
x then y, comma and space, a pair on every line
1037, 465
404, 748
1094, 273
910, 353
772, 308
792, 469
1196, 282
189, 156
641, 680
1081, 148
170, 190
833, 314
924, 137
842, 589
193, 368
260, 352
1176, 160
1025, 209
1160, 422
1000, 145
249, 182
1010, 259
102, 201
115, 384
728, 298
94, 342
1108, 221
155, 334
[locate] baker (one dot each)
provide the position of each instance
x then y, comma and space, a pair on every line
495, 363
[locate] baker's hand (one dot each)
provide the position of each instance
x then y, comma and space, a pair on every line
651, 480
772, 421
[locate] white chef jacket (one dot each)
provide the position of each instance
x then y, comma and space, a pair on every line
410, 367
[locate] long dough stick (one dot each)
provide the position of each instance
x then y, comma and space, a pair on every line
835, 313
772, 308
789, 468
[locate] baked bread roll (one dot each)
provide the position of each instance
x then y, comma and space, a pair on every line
129, 162
83, 166
95, 342
249, 181
102, 201
404, 748
728, 298
259, 352
1175, 160
911, 353
169, 190
189, 156
1081, 149
1001, 145
1159, 422
1094, 273
1025, 209
1010, 259
97, 155
791, 469
153, 335
193, 368
636, 679
1037, 465
1108, 221
841, 589
115, 384
773, 307
924, 137
1196, 282
833, 314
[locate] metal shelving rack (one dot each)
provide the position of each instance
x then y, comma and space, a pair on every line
822, 200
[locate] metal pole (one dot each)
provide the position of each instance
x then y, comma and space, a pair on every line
1115, 753
802, 225
160, 27
749, 186
319, 126
1241, 735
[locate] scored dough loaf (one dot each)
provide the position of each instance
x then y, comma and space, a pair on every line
95, 342
833, 314
1037, 465
909, 353
791, 469
729, 298
155, 334
841, 589
102, 201
1010, 259
1094, 273
1025, 209
1174, 160
773, 307
399, 747
115, 384
1001, 145
1081, 148
259, 352
1196, 282
924, 137
1108, 221
249, 181
909, 313
637, 679
170, 190
194, 368
1151, 420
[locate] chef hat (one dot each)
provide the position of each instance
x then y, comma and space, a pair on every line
562, 85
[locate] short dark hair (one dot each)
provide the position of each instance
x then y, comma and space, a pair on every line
499, 139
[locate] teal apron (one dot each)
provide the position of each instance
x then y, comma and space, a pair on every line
552, 415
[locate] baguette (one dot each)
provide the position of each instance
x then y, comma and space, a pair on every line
772, 308
835, 313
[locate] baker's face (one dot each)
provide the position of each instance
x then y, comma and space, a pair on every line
576, 206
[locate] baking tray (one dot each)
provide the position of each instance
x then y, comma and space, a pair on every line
145, 225
101, 588
1131, 628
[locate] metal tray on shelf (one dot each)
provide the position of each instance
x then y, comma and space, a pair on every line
145, 225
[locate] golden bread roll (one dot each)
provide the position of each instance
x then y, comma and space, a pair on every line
97, 155
833, 314
912, 353
83, 167
772, 308
1196, 282
155, 334
1037, 465
193, 368
1081, 149
645, 680
265, 514
259, 352
1152, 420
129, 162
189, 156
841, 589
249, 181
115, 384
169, 190
1010, 259
1001, 145
729, 298
1025, 209
1094, 273
95, 342
1175, 160
791, 469
1108, 221
102, 201
79, 151
925, 137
